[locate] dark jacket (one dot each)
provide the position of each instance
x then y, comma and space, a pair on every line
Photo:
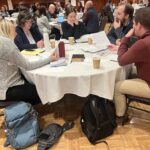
119, 33
90, 18
21, 40
75, 31
51, 16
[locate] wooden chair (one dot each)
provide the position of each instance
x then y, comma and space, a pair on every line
130, 99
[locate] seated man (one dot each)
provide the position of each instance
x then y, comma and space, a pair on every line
28, 37
90, 18
139, 54
122, 23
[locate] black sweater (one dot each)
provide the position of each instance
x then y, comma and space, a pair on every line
75, 31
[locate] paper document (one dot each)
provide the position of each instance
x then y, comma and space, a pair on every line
91, 48
33, 52
59, 62
112, 57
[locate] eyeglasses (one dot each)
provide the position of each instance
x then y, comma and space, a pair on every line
29, 21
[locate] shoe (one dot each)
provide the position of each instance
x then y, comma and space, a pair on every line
122, 120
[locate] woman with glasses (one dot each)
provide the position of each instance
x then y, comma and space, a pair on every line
12, 86
28, 35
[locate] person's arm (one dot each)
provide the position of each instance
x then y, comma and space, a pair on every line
119, 32
79, 30
21, 45
67, 30
135, 54
46, 23
86, 17
16, 58
111, 36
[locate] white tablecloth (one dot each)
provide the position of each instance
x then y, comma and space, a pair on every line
78, 78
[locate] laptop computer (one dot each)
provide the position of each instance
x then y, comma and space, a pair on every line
60, 19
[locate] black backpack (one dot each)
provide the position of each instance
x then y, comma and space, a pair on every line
98, 119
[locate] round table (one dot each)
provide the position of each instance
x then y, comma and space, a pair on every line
79, 78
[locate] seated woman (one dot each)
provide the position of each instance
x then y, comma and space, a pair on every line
80, 7
42, 23
28, 35
12, 86
72, 27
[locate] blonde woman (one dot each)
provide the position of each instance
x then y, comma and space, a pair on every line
12, 85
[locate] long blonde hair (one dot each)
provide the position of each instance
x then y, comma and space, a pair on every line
5, 28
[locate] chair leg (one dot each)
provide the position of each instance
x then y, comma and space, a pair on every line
2, 112
125, 117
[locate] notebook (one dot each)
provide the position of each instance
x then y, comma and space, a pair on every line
32, 52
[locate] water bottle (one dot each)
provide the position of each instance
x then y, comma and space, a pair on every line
46, 39
61, 47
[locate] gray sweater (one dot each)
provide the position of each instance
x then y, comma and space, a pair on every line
42, 23
11, 60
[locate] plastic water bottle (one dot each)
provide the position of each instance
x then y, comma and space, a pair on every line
46, 39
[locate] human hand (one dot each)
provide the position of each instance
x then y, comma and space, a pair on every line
118, 42
113, 47
130, 33
117, 23
76, 22
40, 44
69, 22
54, 56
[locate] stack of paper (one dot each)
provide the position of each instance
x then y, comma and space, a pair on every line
59, 62
112, 57
32, 52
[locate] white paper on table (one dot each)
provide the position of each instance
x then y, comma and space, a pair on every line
59, 62
112, 57
83, 39
91, 48
100, 39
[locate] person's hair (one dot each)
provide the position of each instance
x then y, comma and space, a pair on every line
5, 28
52, 6
70, 10
81, 4
142, 16
129, 10
23, 17
42, 11
4, 8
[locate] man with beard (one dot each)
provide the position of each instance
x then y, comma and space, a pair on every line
138, 54
123, 22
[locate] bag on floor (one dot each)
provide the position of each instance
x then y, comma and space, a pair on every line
51, 134
21, 125
98, 119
